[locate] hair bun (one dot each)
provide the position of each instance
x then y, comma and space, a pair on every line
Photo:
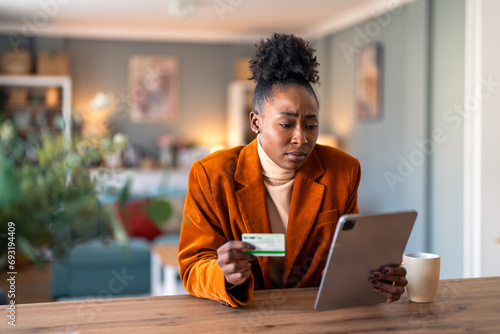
283, 57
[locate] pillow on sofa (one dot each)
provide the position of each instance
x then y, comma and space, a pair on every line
136, 220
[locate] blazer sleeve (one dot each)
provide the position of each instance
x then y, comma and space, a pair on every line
201, 236
352, 199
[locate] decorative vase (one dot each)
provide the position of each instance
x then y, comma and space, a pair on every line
113, 160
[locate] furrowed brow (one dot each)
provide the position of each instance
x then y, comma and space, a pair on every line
296, 115
288, 114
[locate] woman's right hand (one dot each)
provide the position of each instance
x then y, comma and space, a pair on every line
234, 263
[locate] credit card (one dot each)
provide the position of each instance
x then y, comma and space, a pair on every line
266, 244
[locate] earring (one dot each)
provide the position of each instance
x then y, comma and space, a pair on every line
256, 131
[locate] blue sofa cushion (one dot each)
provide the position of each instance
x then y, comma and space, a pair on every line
103, 269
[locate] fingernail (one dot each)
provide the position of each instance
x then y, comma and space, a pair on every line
372, 282
251, 247
251, 257
376, 288
375, 275
385, 271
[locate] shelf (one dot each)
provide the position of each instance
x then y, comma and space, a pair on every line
46, 81
34, 80
31, 107
144, 182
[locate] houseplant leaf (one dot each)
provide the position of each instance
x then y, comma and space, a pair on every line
8, 180
159, 211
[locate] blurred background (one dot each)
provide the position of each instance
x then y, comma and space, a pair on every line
410, 88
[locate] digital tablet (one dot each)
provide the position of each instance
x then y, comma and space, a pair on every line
362, 244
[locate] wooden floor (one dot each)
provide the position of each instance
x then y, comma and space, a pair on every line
32, 284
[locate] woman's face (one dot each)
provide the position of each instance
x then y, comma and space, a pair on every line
288, 126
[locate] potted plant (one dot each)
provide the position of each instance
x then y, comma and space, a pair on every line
48, 193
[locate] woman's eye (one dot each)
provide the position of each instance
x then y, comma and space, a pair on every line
312, 126
286, 125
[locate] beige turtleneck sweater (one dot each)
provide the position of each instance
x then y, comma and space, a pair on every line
279, 183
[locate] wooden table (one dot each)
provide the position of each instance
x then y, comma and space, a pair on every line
461, 305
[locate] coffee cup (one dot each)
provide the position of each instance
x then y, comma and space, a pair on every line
422, 274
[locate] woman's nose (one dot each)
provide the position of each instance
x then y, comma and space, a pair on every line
299, 138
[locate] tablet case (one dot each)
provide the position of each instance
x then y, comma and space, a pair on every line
362, 245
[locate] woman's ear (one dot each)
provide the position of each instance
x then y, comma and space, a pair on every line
254, 121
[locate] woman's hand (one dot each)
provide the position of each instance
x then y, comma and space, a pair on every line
390, 282
234, 263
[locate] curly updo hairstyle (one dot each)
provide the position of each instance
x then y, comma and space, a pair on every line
279, 62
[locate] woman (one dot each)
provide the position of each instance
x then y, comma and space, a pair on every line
282, 182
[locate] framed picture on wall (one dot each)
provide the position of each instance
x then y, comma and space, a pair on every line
153, 88
369, 83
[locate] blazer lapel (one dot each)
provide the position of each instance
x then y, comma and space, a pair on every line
252, 196
307, 196
252, 201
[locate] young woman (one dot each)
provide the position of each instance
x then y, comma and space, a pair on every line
282, 182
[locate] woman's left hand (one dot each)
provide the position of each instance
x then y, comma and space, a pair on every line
389, 282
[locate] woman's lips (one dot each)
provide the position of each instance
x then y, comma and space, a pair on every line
296, 156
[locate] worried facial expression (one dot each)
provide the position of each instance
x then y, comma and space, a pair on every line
288, 125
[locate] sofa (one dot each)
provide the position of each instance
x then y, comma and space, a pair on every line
120, 265
115, 266
103, 269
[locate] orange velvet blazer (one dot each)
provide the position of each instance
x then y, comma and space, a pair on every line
227, 197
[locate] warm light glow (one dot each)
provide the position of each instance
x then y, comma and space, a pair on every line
343, 122
208, 133
97, 115
52, 97
216, 148
328, 140
95, 123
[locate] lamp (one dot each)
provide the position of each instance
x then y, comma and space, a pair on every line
96, 118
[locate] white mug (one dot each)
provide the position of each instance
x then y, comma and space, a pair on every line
422, 274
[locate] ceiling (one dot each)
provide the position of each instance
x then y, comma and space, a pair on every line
185, 20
